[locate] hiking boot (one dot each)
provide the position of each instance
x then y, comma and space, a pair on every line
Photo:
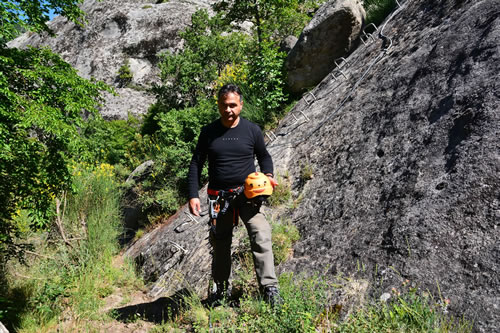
272, 296
221, 295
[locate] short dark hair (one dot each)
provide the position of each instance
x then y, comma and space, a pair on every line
229, 88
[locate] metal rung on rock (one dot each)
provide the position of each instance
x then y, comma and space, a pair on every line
340, 62
178, 246
336, 73
191, 217
305, 98
365, 40
178, 228
305, 117
272, 136
365, 37
370, 25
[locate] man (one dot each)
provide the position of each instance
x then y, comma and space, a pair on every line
231, 144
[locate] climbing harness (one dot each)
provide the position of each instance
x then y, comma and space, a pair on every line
219, 202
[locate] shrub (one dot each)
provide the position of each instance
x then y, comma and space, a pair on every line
266, 80
72, 264
171, 147
281, 193
188, 77
42, 101
284, 235
108, 141
125, 75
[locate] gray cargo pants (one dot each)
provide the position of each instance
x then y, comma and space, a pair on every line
259, 231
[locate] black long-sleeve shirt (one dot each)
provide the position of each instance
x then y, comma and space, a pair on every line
231, 155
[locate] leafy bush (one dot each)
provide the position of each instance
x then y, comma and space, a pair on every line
109, 141
171, 147
72, 265
42, 101
266, 80
125, 75
188, 77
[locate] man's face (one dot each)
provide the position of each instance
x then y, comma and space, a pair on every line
229, 107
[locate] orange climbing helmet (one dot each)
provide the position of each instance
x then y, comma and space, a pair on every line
257, 184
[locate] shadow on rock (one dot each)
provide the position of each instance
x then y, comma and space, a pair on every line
158, 311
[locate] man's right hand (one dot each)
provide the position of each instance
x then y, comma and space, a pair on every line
194, 206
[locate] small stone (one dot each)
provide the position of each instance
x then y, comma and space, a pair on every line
385, 297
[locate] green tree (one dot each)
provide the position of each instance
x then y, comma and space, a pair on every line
189, 75
42, 102
271, 18
33, 15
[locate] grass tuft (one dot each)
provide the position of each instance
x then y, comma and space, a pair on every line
70, 269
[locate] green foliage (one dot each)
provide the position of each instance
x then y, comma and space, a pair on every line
266, 80
171, 147
378, 10
407, 312
307, 307
284, 235
125, 75
33, 15
272, 19
74, 270
306, 172
281, 193
188, 77
109, 141
42, 100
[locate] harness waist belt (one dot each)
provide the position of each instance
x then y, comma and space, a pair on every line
237, 190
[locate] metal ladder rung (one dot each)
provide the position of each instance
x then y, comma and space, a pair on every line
371, 25
304, 115
191, 217
335, 76
272, 136
178, 246
305, 98
340, 62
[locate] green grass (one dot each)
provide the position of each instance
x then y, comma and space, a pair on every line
284, 235
281, 193
77, 273
407, 312
308, 307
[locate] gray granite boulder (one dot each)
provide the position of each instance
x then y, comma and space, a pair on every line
405, 153
330, 35
132, 32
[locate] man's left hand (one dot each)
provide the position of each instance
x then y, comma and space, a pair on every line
273, 182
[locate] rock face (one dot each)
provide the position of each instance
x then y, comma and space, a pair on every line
405, 151
330, 35
132, 209
135, 32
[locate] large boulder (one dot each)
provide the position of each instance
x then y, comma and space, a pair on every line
131, 34
330, 35
405, 155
